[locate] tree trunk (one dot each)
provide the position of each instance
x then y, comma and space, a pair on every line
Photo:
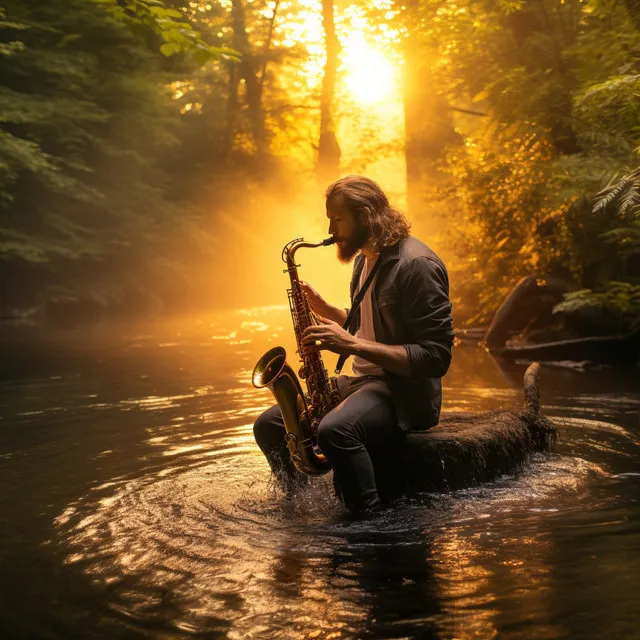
231, 110
633, 9
249, 69
267, 46
328, 147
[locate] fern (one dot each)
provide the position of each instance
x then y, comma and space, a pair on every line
622, 298
626, 239
630, 197
609, 194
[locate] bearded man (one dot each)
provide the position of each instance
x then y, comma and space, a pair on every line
401, 349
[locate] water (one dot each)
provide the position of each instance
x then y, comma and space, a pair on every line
136, 504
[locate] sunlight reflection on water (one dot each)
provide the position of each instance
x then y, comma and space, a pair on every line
164, 509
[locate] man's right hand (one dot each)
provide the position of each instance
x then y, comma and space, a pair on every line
320, 306
317, 302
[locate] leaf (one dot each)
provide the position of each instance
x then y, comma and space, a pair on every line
202, 56
605, 197
630, 199
227, 53
170, 48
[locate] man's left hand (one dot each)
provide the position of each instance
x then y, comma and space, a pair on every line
330, 336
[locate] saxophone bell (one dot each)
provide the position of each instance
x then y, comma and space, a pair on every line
269, 367
272, 371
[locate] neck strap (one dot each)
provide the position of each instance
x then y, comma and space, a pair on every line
354, 309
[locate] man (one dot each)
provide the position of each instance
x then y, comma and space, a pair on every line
401, 349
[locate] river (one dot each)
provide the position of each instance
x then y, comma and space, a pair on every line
135, 503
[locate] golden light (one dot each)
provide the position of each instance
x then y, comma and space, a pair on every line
370, 76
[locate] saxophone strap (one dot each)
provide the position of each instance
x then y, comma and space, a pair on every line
354, 309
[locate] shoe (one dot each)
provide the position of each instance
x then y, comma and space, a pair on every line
368, 513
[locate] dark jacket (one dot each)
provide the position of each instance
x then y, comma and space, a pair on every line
411, 307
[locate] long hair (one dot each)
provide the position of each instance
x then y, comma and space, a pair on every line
368, 203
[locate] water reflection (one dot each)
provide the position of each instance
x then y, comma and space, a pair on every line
130, 474
389, 575
269, 567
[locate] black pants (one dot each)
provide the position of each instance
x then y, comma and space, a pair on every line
365, 418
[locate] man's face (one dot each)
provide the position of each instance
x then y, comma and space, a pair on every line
350, 235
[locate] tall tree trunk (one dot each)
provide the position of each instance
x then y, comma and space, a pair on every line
633, 9
249, 68
232, 109
267, 46
328, 147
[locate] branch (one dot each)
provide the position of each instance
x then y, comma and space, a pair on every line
469, 111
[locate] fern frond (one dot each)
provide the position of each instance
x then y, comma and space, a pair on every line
627, 239
607, 195
631, 198
614, 141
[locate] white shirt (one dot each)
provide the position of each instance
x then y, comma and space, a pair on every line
360, 366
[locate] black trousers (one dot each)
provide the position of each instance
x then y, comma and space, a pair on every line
365, 418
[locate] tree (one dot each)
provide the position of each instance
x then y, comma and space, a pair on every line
177, 35
328, 161
85, 116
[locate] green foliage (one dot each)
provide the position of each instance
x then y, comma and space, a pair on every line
85, 125
558, 83
622, 197
621, 297
612, 192
10, 47
123, 123
625, 239
177, 35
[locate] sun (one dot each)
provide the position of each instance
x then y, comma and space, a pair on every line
370, 76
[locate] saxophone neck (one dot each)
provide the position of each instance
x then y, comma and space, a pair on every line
289, 251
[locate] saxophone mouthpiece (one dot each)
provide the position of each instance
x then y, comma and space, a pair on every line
327, 241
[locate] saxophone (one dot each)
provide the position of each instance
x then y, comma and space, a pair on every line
301, 412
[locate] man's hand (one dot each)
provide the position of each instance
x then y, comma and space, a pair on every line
321, 307
317, 302
330, 336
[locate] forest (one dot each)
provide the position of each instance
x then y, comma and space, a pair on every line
152, 154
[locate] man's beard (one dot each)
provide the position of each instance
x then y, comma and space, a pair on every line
352, 245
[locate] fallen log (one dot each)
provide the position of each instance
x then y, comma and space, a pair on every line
621, 349
529, 299
465, 449
473, 334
